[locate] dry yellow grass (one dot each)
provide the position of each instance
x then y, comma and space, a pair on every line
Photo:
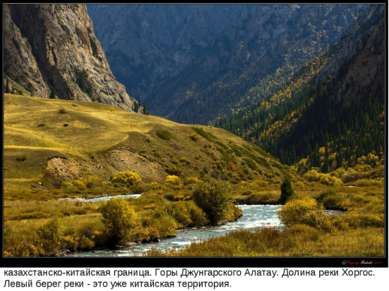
103, 139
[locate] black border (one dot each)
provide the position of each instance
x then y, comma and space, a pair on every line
360, 262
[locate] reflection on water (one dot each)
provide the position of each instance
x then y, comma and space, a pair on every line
254, 216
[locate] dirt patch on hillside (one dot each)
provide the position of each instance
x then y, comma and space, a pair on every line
59, 169
123, 160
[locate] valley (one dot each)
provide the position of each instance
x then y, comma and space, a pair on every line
43, 175
199, 130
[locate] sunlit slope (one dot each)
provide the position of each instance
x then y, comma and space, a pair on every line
49, 141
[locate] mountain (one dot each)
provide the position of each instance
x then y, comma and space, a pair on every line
332, 110
51, 51
47, 142
192, 63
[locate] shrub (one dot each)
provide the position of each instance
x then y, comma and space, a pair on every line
180, 213
173, 180
250, 163
319, 220
119, 219
19, 244
305, 211
154, 186
128, 178
164, 134
198, 216
295, 211
49, 237
92, 181
21, 158
79, 184
212, 198
331, 200
188, 214
194, 138
208, 136
286, 191
160, 224
172, 170
327, 179
191, 180
166, 226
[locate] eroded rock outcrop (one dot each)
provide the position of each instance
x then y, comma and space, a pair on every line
51, 51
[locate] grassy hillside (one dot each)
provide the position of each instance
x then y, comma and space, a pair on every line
50, 141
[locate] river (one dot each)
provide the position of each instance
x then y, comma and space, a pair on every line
254, 216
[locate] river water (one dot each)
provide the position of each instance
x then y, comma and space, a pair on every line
102, 198
254, 216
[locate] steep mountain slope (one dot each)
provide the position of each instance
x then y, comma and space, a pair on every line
51, 141
192, 63
331, 110
51, 51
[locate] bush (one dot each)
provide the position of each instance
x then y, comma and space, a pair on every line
166, 226
159, 224
19, 244
49, 237
180, 213
92, 181
286, 191
173, 180
331, 200
188, 213
62, 111
79, 184
173, 170
212, 198
305, 211
191, 180
128, 178
295, 211
119, 220
164, 134
21, 158
194, 138
326, 179
198, 216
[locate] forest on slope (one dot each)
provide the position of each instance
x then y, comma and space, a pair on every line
331, 111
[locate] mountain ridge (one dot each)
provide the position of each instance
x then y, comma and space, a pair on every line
342, 96
217, 52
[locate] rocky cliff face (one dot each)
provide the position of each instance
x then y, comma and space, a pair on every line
51, 51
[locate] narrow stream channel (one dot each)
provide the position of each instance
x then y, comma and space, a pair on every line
254, 216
